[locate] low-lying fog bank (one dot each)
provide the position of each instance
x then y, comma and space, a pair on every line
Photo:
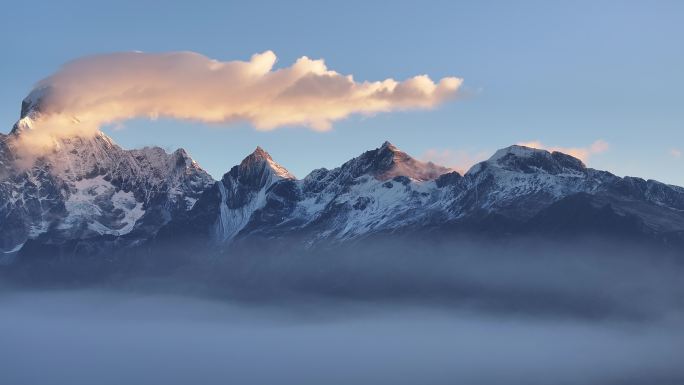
99, 337
372, 313
586, 279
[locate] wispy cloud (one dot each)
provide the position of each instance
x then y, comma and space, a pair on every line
675, 153
459, 160
583, 153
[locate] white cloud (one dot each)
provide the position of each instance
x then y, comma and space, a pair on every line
91, 91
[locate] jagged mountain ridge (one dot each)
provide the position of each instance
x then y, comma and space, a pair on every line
91, 196
515, 186
88, 188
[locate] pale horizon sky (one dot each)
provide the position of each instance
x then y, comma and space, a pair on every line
603, 77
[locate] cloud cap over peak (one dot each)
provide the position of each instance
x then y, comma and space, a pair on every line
101, 89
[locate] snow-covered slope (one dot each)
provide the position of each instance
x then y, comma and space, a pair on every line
517, 180
90, 194
87, 186
385, 190
243, 191
380, 190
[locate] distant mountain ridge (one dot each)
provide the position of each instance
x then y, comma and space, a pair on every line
91, 197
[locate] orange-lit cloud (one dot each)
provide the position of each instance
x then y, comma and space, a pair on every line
459, 160
582, 153
92, 91
675, 153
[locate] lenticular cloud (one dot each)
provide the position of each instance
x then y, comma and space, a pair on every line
91, 91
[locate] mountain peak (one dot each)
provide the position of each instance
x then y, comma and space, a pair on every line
259, 169
33, 102
388, 161
31, 109
518, 151
260, 157
260, 153
389, 146
528, 160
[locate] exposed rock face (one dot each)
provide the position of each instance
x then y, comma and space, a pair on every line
514, 191
89, 187
245, 190
89, 195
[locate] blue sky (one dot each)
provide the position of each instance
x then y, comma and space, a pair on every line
563, 73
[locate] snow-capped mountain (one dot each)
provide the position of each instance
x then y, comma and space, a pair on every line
88, 196
524, 184
87, 188
243, 191
519, 190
